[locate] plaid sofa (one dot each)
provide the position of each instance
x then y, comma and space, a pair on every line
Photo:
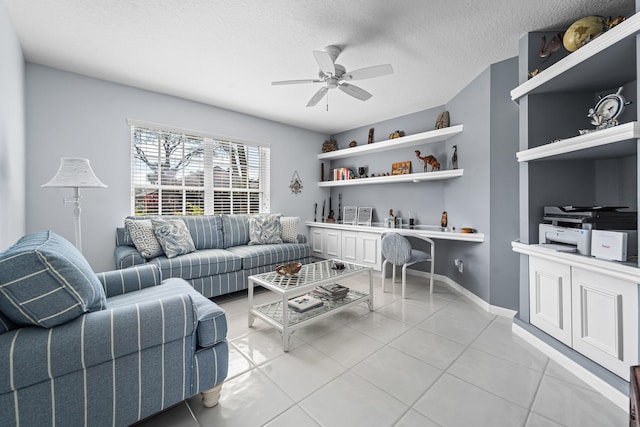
223, 260
78, 348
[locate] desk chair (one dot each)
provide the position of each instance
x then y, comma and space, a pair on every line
397, 250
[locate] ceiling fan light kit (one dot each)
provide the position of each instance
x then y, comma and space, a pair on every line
335, 76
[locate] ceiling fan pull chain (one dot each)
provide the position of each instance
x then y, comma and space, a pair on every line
327, 100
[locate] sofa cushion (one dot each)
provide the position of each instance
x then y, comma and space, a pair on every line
45, 281
259, 255
212, 323
206, 231
264, 230
144, 239
235, 229
173, 236
6, 324
205, 262
289, 229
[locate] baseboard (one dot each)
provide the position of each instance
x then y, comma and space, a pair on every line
615, 396
493, 309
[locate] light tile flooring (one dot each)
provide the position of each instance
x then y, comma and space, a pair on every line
429, 360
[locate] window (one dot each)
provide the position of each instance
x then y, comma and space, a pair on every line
176, 172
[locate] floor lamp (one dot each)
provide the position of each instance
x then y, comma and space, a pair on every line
75, 173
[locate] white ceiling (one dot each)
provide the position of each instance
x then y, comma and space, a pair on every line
227, 52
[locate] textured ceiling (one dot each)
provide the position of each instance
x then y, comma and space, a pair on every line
226, 53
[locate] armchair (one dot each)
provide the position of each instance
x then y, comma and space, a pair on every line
397, 250
148, 345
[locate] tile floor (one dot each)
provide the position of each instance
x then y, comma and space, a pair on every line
429, 360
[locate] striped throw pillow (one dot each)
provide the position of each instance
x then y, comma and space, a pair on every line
46, 281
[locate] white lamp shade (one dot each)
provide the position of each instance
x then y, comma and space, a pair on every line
75, 172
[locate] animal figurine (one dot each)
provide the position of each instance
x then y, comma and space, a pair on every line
396, 134
454, 158
428, 160
554, 45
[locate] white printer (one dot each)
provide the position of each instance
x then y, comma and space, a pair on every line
572, 237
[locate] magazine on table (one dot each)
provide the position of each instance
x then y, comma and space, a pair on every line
304, 303
331, 292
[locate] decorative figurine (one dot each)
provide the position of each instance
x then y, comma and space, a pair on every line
353, 144
443, 221
443, 120
428, 160
330, 145
533, 73
322, 171
607, 110
323, 203
315, 213
583, 31
330, 218
454, 158
339, 207
361, 171
370, 140
396, 134
554, 45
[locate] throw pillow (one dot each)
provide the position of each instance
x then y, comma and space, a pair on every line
264, 229
289, 231
144, 239
235, 229
173, 236
45, 281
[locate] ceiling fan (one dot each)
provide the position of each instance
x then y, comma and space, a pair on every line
336, 76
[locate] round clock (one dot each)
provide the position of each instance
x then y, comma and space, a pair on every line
608, 109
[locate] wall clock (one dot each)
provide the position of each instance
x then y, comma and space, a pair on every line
607, 110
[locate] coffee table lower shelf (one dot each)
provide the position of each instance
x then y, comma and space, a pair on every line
273, 314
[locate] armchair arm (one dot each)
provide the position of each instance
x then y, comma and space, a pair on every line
118, 282
302, 238
127, 256
33, 354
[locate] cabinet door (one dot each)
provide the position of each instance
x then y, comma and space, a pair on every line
369, 250
349, 246
318, 242
550, 298
333, 243
605, 320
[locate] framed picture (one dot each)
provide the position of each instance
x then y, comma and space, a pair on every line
401, 168
364, 216
350, 215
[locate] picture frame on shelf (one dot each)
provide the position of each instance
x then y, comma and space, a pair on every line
364, 216
350, 215
401, 168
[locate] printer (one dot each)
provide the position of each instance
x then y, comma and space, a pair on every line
573, 239
571, 228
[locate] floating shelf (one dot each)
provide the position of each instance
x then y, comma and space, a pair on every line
410, 177
393, 144
619, 141
616, 51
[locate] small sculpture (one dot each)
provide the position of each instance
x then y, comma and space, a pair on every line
353, 144
533, 73
454, 158
555, 44
443, 120
428, 160
396, 134
330, 145
370, 140
444, 221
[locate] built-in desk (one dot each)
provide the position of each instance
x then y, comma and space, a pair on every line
361, 243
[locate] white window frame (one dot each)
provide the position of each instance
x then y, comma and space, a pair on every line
210, 142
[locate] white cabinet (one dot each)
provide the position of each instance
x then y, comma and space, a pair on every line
353, 246
550, 298
594, 313
605, 319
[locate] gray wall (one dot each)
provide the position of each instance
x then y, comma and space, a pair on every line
484, 198
12, 134
77, 116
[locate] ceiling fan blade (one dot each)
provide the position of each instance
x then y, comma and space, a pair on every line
325, 62
369, 72
295, 82
317, 97
355, 91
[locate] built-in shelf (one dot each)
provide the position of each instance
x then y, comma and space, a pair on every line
410, 177
393, 144
616, 54
613, 142
623, 271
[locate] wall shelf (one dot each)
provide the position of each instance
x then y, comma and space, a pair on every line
615, 51
393, 144
410, 177
617, 141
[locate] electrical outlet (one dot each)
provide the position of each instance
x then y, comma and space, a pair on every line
458, 263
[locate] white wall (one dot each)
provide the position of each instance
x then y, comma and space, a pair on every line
78, 116
12, 134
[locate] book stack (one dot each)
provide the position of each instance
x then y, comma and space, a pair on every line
332, 292
304, 303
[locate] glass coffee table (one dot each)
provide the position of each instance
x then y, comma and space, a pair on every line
287, 320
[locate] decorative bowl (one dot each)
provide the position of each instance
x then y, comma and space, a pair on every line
288, 269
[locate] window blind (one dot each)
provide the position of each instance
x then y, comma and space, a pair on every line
181, 173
